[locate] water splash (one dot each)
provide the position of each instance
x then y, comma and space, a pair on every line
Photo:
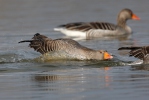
14, 57
28, 56
9, 58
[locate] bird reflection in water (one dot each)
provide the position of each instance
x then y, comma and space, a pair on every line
107, 77
81, 77
48, 77
140, 67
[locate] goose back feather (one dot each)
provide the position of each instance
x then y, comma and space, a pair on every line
63, 48
138, 52
99, 29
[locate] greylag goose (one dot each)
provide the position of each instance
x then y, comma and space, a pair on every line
139, 52
65, 49
99, 29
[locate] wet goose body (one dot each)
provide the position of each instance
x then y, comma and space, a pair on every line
99, 29
141, 53
64, 49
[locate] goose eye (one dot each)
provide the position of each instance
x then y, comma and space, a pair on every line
100, 51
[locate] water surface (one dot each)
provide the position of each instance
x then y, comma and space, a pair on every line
23, 78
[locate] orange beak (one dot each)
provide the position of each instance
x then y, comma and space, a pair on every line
135, 17
107, 56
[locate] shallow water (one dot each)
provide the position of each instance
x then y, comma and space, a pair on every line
23, 78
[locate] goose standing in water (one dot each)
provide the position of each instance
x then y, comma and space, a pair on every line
99, 29
65, 49
139, 52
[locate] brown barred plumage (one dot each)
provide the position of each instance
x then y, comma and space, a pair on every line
138, 52
43, 44
99, 29
88, 26
65, 48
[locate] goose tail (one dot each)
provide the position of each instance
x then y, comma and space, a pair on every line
25, 41
129, 48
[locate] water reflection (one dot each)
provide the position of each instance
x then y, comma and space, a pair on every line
141, 67
79, 78
48, 77
67, 80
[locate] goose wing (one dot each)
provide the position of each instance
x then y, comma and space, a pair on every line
43, 44
81, 26
138, 52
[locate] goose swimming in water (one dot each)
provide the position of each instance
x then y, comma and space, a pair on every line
139, 52
65, 49
99, 29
